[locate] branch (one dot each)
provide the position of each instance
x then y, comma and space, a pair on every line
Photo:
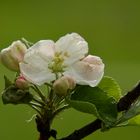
43, 127
84, 131
126, 101
123, 104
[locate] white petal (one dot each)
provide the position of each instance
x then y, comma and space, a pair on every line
44, 48
74, 46
35, 65
87, 73
36, 74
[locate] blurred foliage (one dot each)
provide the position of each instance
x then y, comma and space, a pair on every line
112, 30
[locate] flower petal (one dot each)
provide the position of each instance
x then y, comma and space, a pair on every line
35, 65
44, 48
87, 73
73, 47
35, 74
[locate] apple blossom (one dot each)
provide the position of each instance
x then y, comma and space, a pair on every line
11, 56
46, 61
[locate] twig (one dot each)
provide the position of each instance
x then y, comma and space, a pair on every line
126, 101
43, 126
84, 131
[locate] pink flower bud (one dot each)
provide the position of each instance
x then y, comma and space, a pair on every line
63, 85
22, 83
11, 56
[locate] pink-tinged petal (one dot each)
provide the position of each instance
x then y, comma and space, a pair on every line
87, 72
73, 47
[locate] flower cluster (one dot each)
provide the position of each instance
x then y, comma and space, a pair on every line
71, 78
47, 61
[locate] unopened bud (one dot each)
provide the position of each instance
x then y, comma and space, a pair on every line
63, 85
22, 83
11, 56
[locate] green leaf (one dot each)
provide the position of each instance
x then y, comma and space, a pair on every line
85, 107
111, 87
95, 101
7, 82
13, 95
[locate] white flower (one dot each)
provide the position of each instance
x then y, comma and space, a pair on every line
46, 60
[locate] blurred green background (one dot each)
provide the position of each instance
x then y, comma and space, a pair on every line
112, 29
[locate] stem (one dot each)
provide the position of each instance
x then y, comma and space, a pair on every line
61, 102
34, 104
43, 137
51, 97
56, 100
44, 122
43, 126
35, 88
27, 43
38, 101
